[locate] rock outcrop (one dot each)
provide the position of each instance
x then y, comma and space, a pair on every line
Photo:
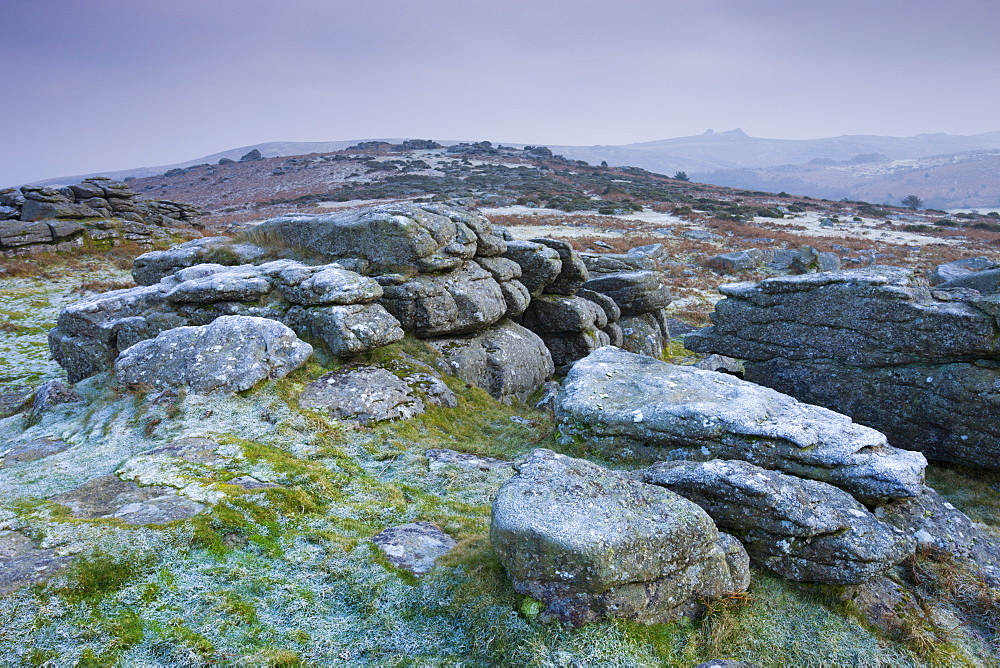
507, 360
36, 219
634, 405
564, 311
325, 303
920, 364
591, 543
937, 526
231, 354
804, 530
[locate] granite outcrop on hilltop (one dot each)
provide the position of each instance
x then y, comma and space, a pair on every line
918, 363
35, 219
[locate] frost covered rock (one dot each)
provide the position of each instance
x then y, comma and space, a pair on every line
231, 354
110, 497
636, 405
150, 268
507, 360
803, 530
373, 394
389, 238
937, 525
414, 547
590, 543
878, 345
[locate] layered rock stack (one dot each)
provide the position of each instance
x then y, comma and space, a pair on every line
571, 325
632, 281
359, 280
920, 364
576, 310
785, 479
325, 303
37, 219
443, 277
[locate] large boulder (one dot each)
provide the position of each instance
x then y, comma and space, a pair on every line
590, 543
231, 354
634, 405
466, 300
950, 271
635, 292
986, 282
17, 233
874, 317
572, 271
385, 239
803, 530
540, 265
876, 345
507, 360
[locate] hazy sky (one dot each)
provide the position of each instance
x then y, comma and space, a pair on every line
92, 85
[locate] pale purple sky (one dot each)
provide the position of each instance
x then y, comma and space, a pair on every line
98, 85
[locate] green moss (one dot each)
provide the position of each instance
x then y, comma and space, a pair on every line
100, 573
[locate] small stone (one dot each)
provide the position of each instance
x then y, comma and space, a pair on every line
414, 547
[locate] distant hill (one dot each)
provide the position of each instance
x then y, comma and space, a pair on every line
268, 150
834, 167
734, 149
953, 181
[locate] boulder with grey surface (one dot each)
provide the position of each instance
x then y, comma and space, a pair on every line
938, 526
325, 303
507, 360
590, 543
919, 363
571, 326
231, 354
572, 270
635, 406
804, 530
540, 265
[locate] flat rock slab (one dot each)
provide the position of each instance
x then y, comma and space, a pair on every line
414, 547
438, 458
368, 394
804, 530
637, 406
34, 450
194, 449
22, 563
110, 497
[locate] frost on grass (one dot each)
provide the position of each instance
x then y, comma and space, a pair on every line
289, 574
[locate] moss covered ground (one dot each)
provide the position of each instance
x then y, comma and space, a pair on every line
288, 575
